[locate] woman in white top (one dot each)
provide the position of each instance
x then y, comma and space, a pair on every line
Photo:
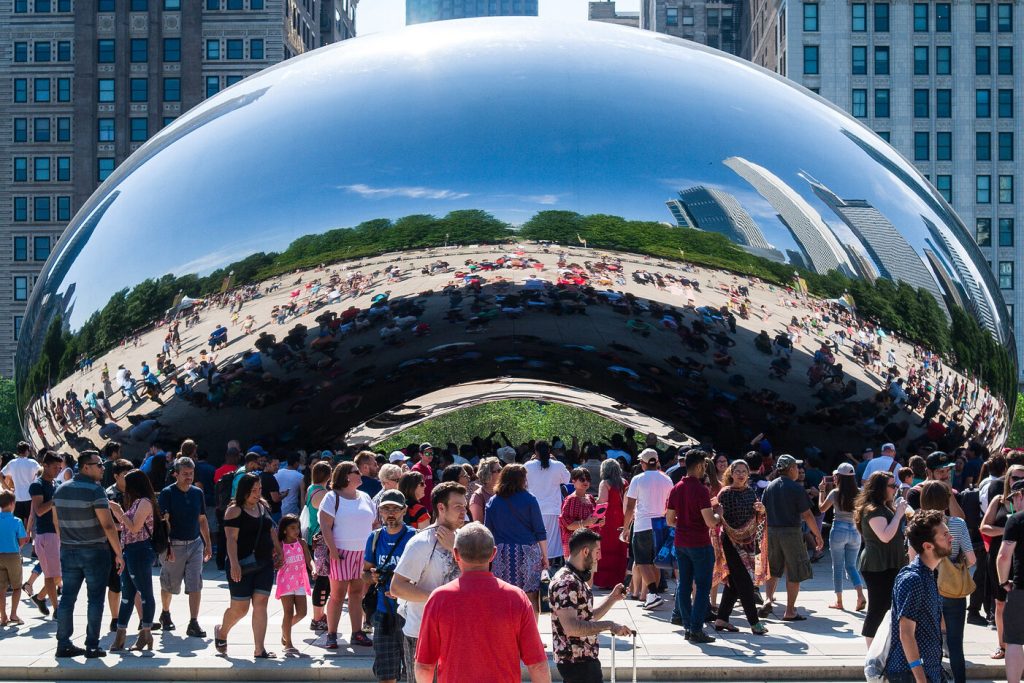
347, 516
544, 479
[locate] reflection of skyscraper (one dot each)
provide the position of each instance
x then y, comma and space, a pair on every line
892, 254
419, 11
678, 212
821, 248
716, 211
943, 273
982, 307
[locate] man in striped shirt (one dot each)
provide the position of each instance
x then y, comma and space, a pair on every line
85, 527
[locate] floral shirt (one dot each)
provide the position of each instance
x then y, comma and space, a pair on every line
568, 591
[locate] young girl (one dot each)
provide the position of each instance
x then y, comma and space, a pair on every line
292, 578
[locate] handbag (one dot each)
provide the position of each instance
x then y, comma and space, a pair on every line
955, 580
249, 564
321, 553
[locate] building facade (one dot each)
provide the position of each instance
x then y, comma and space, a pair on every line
420, 11
717, 23
604, 11
87, 82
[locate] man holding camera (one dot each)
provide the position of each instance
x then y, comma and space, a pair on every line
574, 621
383, 548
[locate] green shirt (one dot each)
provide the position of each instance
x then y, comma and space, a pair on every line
877, 556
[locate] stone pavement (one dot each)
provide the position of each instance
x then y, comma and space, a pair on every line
826, 647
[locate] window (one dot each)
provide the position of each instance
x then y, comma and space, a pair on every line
104, 167
20, 6
810, 58
1006, 104
105, 51
41, 129
140, 129
213, 5
212, 85
41, 52
1006, 275
943, 60
140, 5
258, 5
41, 169
860, 103
921, 104
881, 103
256, 48
983, 189
235, 4
1004, 17
105, 6
881, 17
21, 249
944, 184
63, 129
983, 104
63, 170
231, 80
1006, 189
671, 16
942, 17
63, 89
882, 61
982, 60
172, 90
139, 89
920, 61
859, 17
21, 90
860, 60
920, 17
944, 146
17, 326
139, 50
20, 287
21, 169
1005, 60
43, 6
234, 50
172, 4
41, 209
167, 121
810, 16
21, 52
21, 130
1006, 147
63, 209
64, 51
105, 86
21, 209
983, 232
41, 89
1006, 232
922, 144
106, 130
982, 20
40, 247
983, 146
172, 49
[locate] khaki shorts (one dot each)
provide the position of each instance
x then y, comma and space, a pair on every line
187, 567
787, 553
10, 570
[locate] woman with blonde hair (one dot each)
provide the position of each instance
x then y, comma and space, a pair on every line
992, 526
611, 493
487, 477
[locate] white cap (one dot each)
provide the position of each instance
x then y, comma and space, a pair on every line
397, 456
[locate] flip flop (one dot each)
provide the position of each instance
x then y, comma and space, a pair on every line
798, 617
265, 655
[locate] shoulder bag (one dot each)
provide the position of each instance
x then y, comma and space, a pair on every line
321, 553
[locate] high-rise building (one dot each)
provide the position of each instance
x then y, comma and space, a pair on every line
87, 82
717, 23
717, 211
420, 11
604, 11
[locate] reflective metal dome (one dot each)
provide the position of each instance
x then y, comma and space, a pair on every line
747, 191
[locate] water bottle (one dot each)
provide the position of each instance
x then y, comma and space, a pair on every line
545, 581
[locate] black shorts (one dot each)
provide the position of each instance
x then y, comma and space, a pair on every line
584, 671
321, 590
643, 547
260, 581
22, 509
113, 578
1013, 617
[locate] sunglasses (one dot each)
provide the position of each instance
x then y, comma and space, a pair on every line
893, 486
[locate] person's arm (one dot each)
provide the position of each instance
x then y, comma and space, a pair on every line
954, 507
908, 629
110, 531
540, 532
613, 597
1004, 561
988, 522
812, 525
602, 492
204, 531
133, 524
627, 518
476, 509
710, 518
39, 507
824, 500
531, 650
231, 538
886, 530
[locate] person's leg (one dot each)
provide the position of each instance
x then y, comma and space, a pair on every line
1014, 663
852, 551
356, 589
684, 590
410, 657
338, 591
236, 610
321, 592
703, 569
129, 589
837, 549
740, 582
96, 570
1000, 607
74, 576
954, 614
287, 612
300, 609
259, 622
792, 591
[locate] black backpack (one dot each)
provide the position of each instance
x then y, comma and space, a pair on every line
160, 536
222, 491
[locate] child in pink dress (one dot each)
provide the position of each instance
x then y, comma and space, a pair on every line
292, 578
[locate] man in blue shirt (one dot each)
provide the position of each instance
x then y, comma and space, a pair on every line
383, 548
916, 636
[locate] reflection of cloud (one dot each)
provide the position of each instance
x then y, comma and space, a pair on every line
545, 199
364, 190
209, 262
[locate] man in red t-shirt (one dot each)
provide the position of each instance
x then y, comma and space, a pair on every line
504, 630
424, 468
689, 509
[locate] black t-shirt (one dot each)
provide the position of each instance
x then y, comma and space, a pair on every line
270, 485
1014, 532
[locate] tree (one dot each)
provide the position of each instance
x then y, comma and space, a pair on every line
10, 429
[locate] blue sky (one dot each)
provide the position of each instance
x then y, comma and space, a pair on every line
373, 16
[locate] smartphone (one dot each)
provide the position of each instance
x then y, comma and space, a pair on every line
601, 510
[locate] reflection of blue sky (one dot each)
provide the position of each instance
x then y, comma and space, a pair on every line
510, 115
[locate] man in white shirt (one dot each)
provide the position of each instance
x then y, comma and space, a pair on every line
883, 463
19, 475
289, 479
646, 499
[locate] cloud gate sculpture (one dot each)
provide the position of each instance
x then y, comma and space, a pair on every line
679, 232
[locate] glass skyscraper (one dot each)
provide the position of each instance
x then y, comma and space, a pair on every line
420, 11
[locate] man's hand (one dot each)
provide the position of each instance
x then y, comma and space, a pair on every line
618, 593
119, 563
170, 554
620, 630
819, 542
446, 537
207, 553
758, 507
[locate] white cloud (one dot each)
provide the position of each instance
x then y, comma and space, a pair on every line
368, 192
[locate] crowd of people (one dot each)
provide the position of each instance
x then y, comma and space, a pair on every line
404, 542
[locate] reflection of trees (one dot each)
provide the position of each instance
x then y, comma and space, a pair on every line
914, 314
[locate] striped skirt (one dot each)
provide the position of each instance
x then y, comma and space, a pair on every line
348, 566
518, 565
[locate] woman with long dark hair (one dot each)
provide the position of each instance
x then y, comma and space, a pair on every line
136, 522
611, 492
545, 477
843, 539
881, 524
412, 485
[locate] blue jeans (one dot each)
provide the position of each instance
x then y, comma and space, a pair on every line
90, 564
696, 565
137, 578
954, 612
844, 544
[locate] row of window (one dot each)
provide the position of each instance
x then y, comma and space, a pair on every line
943, 103
213, 83
138, 50
41, 129
42, 89
983, 146
40, 247
48, 6
983, 232
44, 169
42, 6
924, 21
233, 48
138, 89
42, 51
42, 209
135, 5
922, 65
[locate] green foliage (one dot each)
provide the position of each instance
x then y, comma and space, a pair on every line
10, 430
520, 420
1015, 439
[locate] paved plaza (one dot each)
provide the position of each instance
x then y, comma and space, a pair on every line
826, 647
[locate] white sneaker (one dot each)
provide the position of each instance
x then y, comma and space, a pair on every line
653, 601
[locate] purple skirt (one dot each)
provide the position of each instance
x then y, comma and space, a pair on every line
518, 565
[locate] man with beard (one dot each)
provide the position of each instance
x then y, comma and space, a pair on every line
574, 621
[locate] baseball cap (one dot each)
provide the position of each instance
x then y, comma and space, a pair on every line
397, 456
869, 449
506, 454
939, 460
785, 461
648, 455
888, 447
845, 469
392, 497
257, 449
425, 446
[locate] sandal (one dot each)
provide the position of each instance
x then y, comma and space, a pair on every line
759, 629
727, 627
361, 639
16, 621
26, 590
220, 644
265, 655
861, 605
1000, 653
291, 652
